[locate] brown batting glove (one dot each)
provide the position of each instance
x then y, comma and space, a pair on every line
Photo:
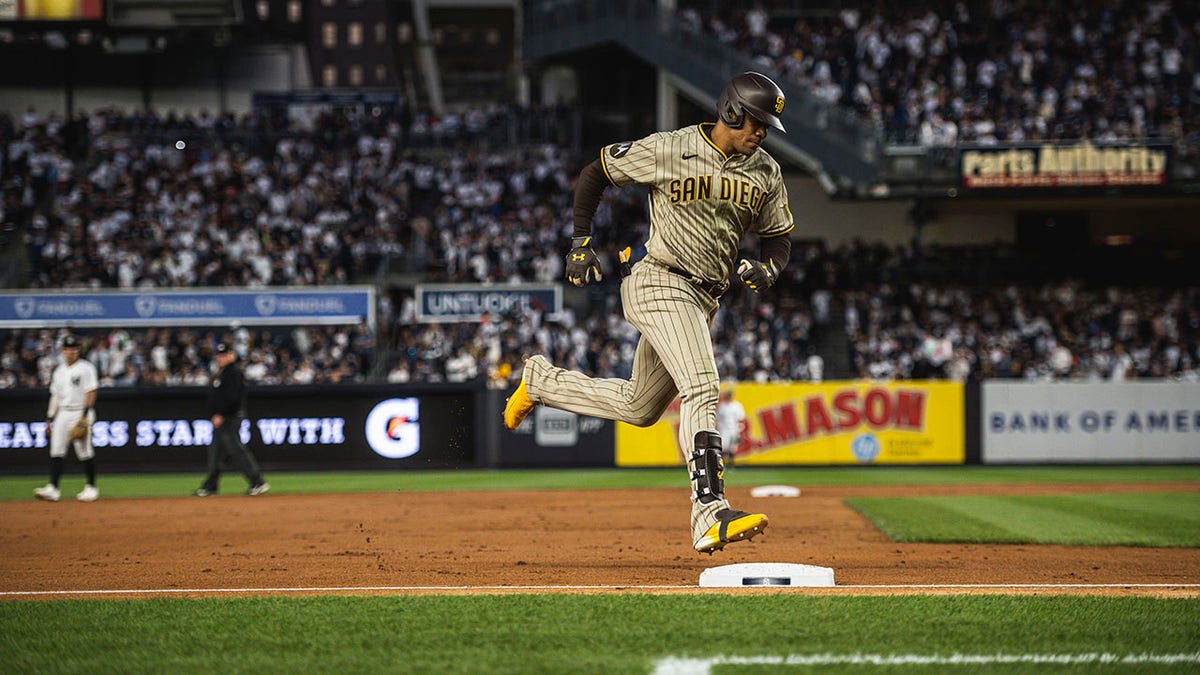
758, 275
583, 267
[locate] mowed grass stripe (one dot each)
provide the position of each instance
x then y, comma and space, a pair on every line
568, 633
1169, 519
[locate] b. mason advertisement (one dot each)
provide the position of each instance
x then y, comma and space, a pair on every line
1057, 166
850, 422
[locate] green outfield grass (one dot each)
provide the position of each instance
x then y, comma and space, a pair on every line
586, 633
1135, 519
164, 485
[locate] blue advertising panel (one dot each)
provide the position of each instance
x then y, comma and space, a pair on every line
448, 303
260, 307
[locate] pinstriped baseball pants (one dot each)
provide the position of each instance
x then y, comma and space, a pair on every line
674, 357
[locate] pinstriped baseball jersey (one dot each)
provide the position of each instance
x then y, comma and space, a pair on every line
702, 202
71, 384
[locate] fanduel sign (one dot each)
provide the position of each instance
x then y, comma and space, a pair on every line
446, 303
344, 305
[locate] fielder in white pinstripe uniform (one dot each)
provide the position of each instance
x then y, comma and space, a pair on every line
72, 397
710, 185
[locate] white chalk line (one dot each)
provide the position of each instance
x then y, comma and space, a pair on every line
614, 587
673, 665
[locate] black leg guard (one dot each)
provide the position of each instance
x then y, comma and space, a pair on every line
708, 471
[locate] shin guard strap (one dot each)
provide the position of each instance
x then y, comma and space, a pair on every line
708, 471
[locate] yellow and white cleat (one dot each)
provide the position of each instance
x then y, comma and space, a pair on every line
731, 525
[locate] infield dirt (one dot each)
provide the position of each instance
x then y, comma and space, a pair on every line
554, 538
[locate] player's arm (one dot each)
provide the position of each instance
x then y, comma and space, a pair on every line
582, 264
52, 408
588, 190
775, 244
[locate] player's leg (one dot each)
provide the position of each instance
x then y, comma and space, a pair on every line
244, 460
212, 480
59, 441
86, 453
640, 400
59, 430
676, 320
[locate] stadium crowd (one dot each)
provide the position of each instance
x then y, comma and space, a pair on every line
184, 356
109, 200
944, 72
112, 201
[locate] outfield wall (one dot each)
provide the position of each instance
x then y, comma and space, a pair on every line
334, 427
303, 427
1135, 422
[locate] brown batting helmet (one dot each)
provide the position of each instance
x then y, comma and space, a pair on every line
751, 94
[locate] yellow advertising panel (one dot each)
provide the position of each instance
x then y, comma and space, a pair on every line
853, 422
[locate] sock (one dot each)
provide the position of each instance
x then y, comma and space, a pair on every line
89, 470
56, 470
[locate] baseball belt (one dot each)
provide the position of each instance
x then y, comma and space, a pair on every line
714, 289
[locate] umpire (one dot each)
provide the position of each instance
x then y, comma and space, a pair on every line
226, 406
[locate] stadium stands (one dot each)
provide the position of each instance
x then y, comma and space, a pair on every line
940, 73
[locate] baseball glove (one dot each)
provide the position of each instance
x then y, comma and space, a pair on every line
80, 430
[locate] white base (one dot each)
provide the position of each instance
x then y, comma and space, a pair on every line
748, 575
775, 491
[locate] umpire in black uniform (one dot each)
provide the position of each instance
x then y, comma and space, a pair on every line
226, 406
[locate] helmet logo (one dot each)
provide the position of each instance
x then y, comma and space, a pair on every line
778, 104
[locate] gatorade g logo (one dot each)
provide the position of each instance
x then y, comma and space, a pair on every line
394, 428
778, 104
619, 149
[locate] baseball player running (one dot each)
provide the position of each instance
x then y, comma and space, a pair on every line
710, 184
70, 417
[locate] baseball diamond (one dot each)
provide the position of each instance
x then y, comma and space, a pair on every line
554, 540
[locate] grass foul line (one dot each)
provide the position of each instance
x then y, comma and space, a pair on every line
673, 665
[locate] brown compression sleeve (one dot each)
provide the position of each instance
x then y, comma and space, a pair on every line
588, 189
777, 249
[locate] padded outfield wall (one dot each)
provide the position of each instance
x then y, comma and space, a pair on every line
402, 427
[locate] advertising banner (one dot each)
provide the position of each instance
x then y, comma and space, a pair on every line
1030, 422
263, 307
447, 303
317, 427
1056, 166
832, 423
51, 10
550, 437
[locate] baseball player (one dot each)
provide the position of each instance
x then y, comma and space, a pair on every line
710, 184
70, 416
226, 406
731, 416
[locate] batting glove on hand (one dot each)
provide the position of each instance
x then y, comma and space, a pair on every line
583, 267
758, 275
